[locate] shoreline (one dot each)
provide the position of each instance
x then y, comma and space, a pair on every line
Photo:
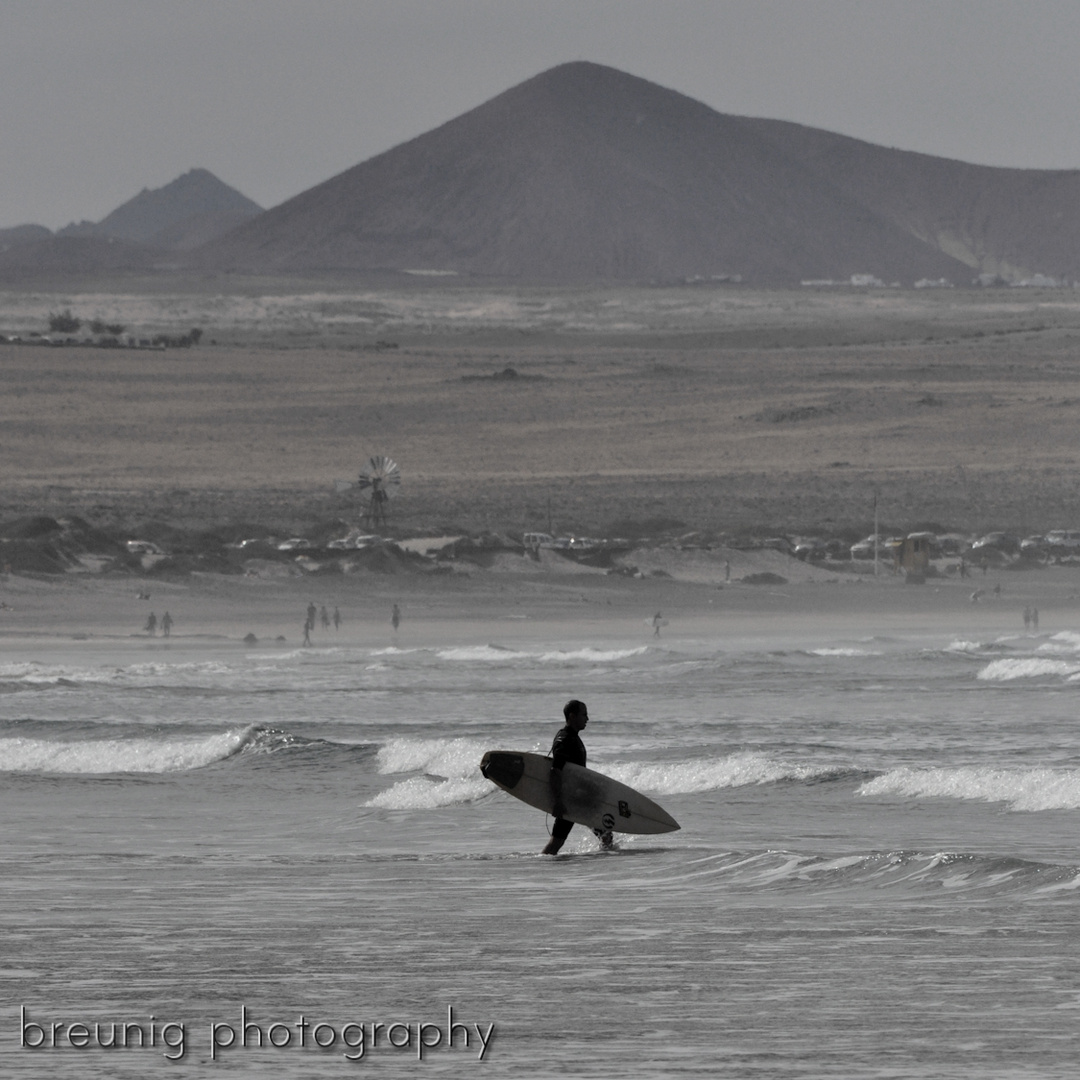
488, 607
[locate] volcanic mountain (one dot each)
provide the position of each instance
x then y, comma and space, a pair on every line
585, 173
189, 211
185, 213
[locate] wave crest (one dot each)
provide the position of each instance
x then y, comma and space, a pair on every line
1021, 789
1008, 669
137, 755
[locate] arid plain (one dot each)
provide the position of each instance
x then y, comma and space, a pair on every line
727, 410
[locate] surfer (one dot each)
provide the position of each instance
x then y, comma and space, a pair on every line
567, 747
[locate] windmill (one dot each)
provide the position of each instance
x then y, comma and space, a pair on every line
379, 480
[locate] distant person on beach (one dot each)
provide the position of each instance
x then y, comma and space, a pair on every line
567, 748
657, 622
1034, 618
324, 618
337, 619
727, 569
307, 631
312, 613
151, 625
166, 624
395, 618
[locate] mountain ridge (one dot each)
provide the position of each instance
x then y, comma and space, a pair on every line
584, 173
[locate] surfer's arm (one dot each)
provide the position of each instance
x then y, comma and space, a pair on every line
556, 786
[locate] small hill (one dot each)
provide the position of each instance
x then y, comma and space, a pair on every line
23, 234
190, 210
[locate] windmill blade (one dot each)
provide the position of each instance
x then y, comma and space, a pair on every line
381, 475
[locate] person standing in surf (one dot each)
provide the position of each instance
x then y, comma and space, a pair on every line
567, 747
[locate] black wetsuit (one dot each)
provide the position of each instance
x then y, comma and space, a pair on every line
566, 747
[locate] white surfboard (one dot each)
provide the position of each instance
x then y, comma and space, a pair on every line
589, 798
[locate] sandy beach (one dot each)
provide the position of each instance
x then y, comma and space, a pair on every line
509, 604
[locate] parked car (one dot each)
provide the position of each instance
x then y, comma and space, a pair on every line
864, 549
778, 543
353, 542
995, 541
952, 543
1033, 547
837, 549
810, 548
295, 543
142, 547
1063, 541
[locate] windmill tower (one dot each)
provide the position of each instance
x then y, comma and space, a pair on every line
379, 481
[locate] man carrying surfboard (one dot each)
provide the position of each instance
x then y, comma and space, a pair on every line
567, 747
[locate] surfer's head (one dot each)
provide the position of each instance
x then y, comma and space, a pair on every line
577, 716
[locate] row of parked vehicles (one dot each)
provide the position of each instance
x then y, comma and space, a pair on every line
1055, 545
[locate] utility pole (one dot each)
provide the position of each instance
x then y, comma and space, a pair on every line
875, 536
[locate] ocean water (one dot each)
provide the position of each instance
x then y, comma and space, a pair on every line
877, 873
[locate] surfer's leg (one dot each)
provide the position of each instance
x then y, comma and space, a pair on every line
559, 832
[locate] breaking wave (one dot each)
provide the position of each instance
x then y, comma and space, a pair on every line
146, 754
498, 653
139, 755
1009, 669
450, 767
907, 871
711, 774
1021, 789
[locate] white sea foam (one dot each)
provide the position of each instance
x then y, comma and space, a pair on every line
594, 656
157, 668
444, 757
708, 774
423, 792
843, 652
1065, 643
965, 647
1022, 789
454, 763
480, 652
103, 756
1032, 667
33, 674
498, 654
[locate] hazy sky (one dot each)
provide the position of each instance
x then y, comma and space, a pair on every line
100, 98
